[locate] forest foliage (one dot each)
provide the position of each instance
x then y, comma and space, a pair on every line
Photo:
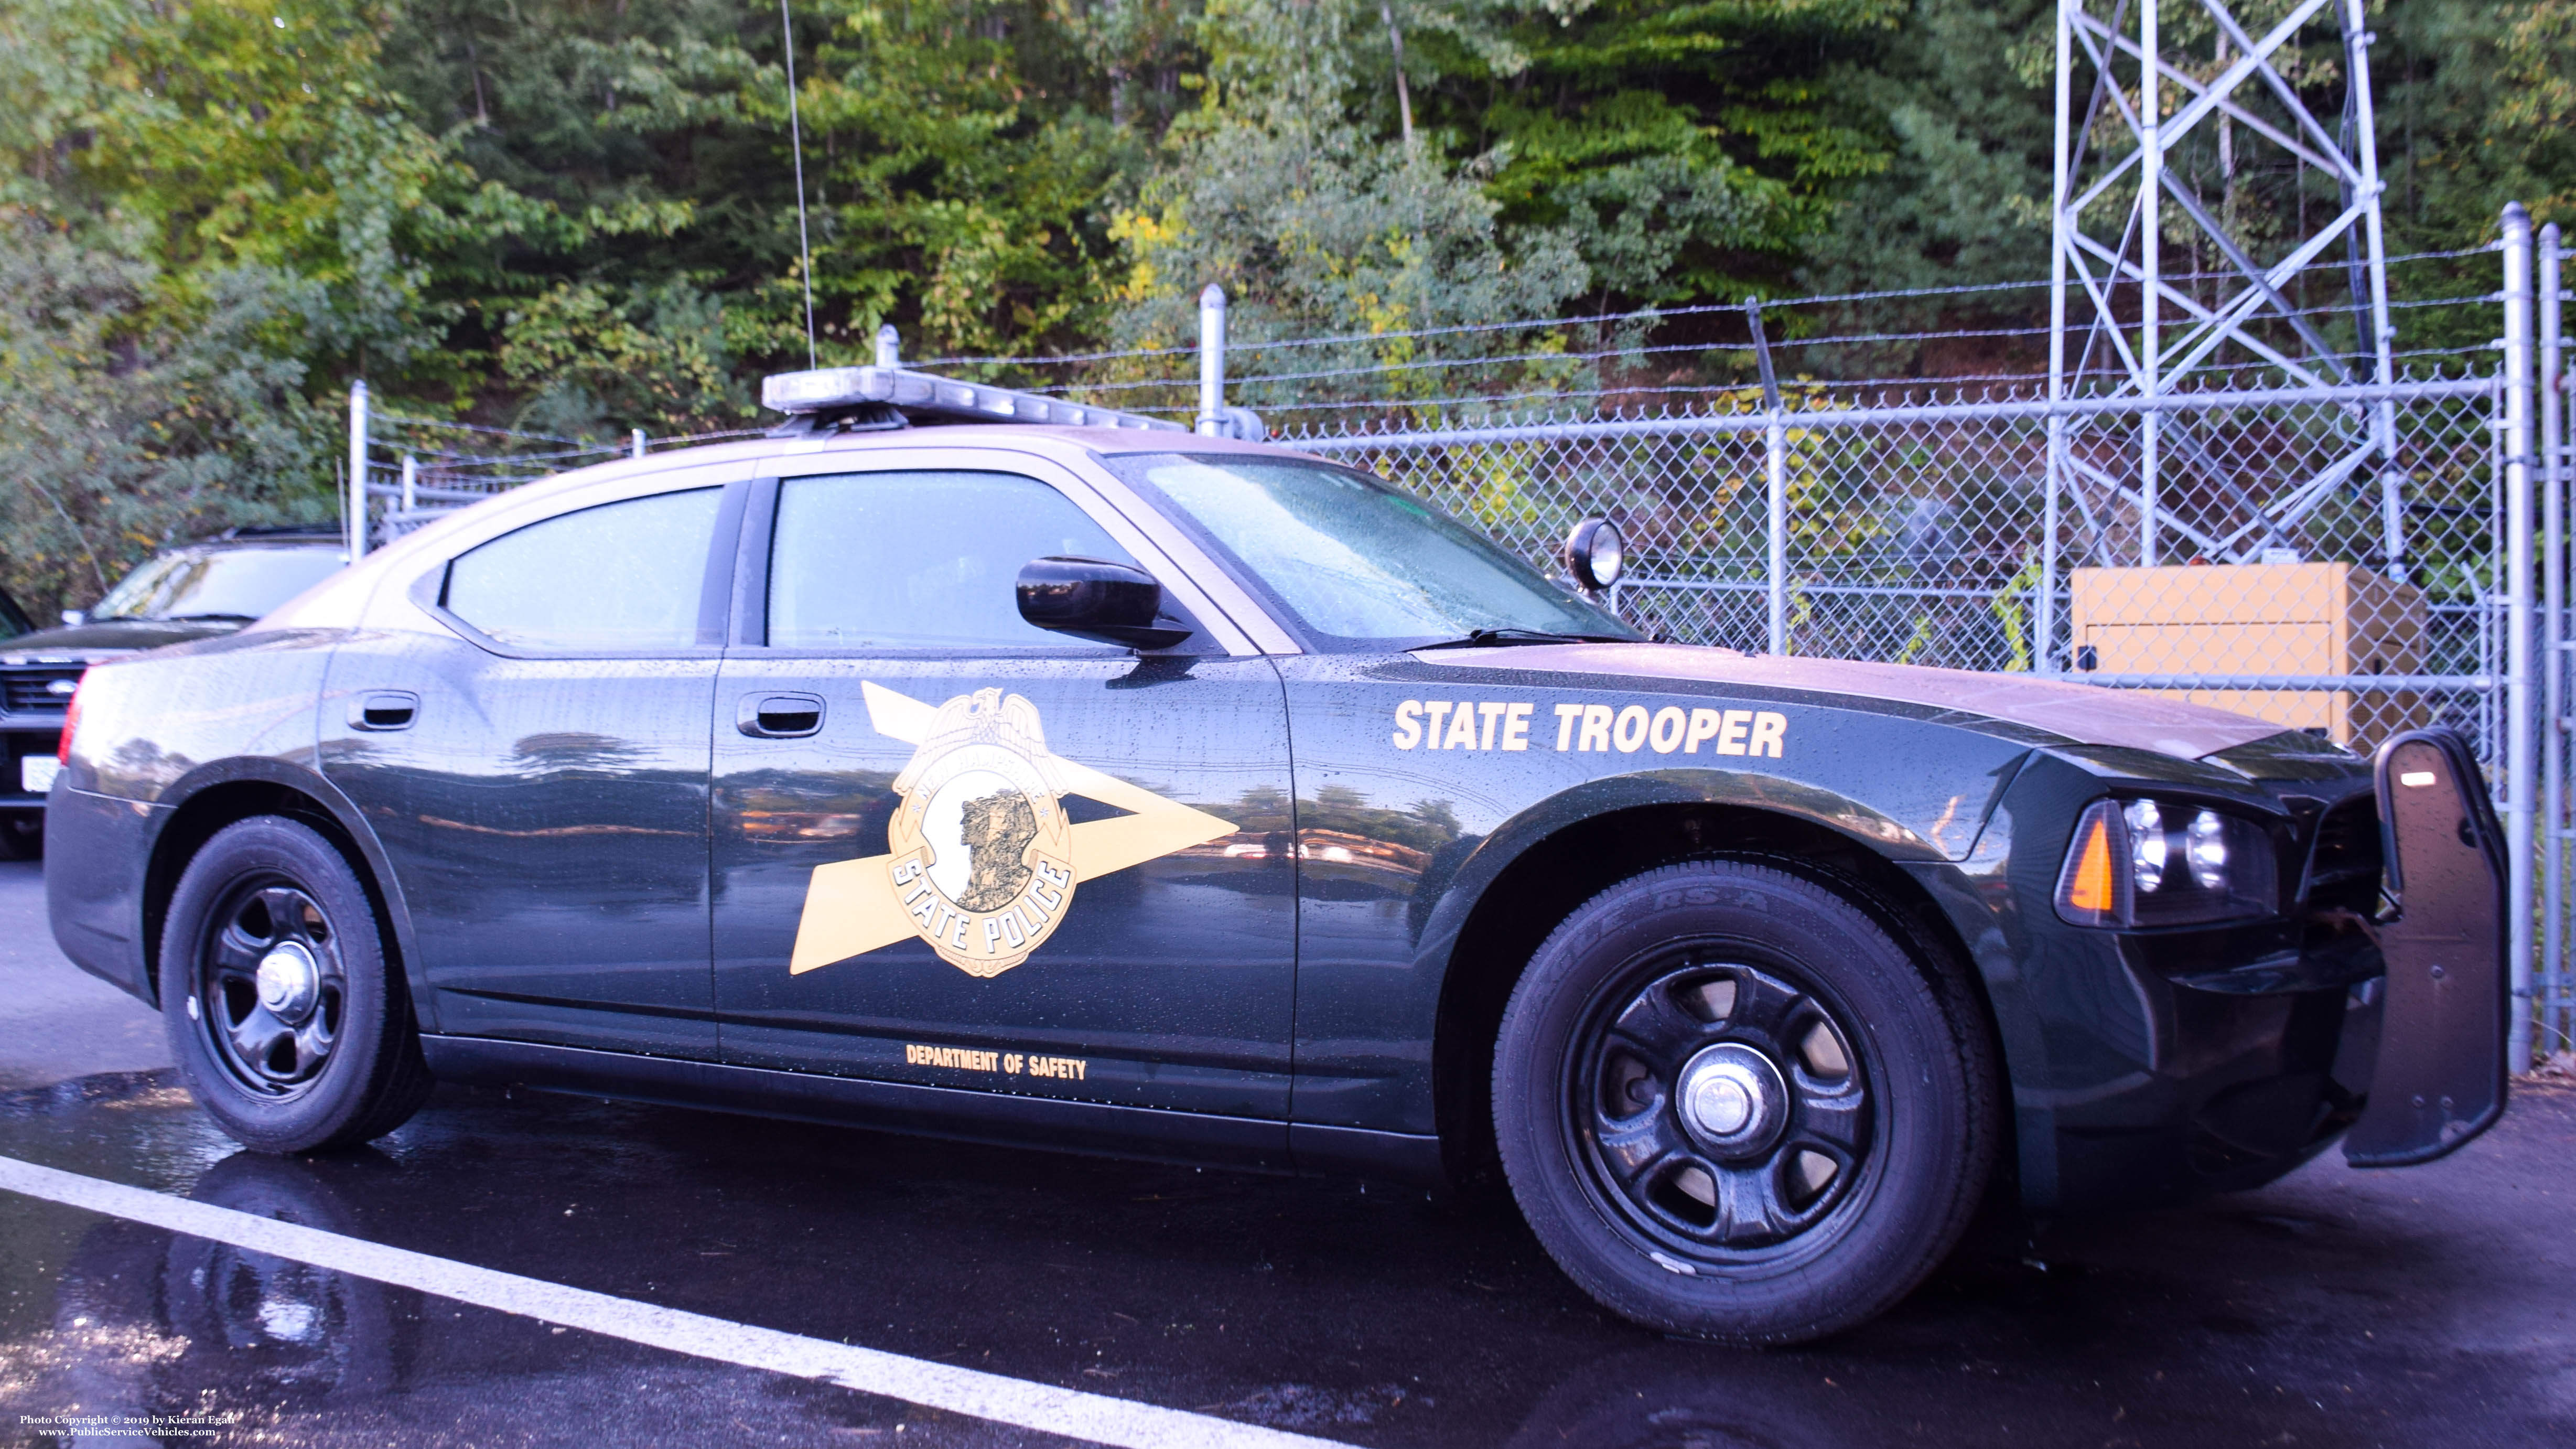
578, 216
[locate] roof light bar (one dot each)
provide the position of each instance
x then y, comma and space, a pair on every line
825, 389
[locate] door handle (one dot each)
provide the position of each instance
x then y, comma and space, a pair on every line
384, 709
779, 716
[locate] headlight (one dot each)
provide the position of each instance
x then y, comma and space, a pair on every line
2151, 863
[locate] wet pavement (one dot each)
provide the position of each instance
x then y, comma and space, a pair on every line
2432, 1306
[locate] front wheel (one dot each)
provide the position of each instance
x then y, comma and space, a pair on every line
290, 1025
1732, 1106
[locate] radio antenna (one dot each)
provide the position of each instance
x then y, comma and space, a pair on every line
796, 149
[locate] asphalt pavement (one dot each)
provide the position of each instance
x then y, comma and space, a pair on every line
2337, 1307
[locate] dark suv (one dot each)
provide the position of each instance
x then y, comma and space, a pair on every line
194, 591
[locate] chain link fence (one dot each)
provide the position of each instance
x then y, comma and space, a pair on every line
1921, 531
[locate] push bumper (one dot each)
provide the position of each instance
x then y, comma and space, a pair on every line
2439, 1079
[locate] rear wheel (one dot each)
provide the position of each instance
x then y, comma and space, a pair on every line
290, 1026
1732, 1106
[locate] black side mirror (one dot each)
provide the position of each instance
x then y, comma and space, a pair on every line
1092, 598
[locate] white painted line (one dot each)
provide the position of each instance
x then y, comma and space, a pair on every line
933, 1385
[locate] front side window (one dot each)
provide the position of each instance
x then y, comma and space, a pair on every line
620, 577
217, 583
918, 560
1355, 561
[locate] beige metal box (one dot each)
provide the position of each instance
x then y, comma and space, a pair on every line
2308, 618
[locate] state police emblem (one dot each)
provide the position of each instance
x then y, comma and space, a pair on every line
982, 855
981, 860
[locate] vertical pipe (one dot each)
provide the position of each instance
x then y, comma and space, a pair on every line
889, 346
1775, 473
2392, 502
2151, 190
410, 483
1775, 482
796, 151
1211, 361
2557, 1030
2043, 627
634, 444
2520, 761
353, 511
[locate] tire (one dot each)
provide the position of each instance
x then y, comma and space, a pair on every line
318, 1052
22, 835
1732, 1106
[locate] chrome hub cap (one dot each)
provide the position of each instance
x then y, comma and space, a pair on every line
1732, 1100
289, 980
270, 988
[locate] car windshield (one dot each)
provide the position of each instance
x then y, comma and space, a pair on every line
217, 583
1356, 561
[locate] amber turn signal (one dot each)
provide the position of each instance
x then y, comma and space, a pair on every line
2089, 886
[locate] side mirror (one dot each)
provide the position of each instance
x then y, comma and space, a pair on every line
1092, 598
1595, 554
75, 617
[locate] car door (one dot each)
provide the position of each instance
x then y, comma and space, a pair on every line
956, 850
534, 760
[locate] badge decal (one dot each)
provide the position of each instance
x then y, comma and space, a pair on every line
982, 860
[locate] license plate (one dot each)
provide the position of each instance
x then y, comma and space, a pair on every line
36, 773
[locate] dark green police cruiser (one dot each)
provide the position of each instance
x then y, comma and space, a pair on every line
966, 762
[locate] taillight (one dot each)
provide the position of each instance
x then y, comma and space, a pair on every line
71, 722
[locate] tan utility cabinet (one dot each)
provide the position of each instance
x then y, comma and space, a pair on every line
2308, 618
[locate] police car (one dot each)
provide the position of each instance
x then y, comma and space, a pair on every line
966, 762
192, 591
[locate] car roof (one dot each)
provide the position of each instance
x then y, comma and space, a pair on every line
296, 536
1046, 440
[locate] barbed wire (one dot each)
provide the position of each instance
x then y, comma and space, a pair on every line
1653, 314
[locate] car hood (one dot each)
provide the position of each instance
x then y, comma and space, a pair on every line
106, 637
2079, 713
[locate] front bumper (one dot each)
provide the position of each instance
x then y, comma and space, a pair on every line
21, 743
2163, 1066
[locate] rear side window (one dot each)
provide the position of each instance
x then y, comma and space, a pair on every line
924, 560
622, 576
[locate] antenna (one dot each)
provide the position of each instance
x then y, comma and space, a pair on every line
796, 149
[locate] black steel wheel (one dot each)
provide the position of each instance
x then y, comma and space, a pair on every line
1718, 1106
288, 1023
271, 992
1731, 1104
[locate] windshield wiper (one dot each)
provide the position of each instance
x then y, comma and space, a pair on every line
1494, 638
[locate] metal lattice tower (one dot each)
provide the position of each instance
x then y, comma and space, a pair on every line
2253, 192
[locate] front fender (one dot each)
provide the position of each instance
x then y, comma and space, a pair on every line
1368, 1032
1451, 903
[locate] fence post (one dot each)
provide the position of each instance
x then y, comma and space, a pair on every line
1211, 361
2520, 761
1775, 482
410, 483
2555, 1002
2043, 624
2151, 196
635, 443
889, 346
353, 511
